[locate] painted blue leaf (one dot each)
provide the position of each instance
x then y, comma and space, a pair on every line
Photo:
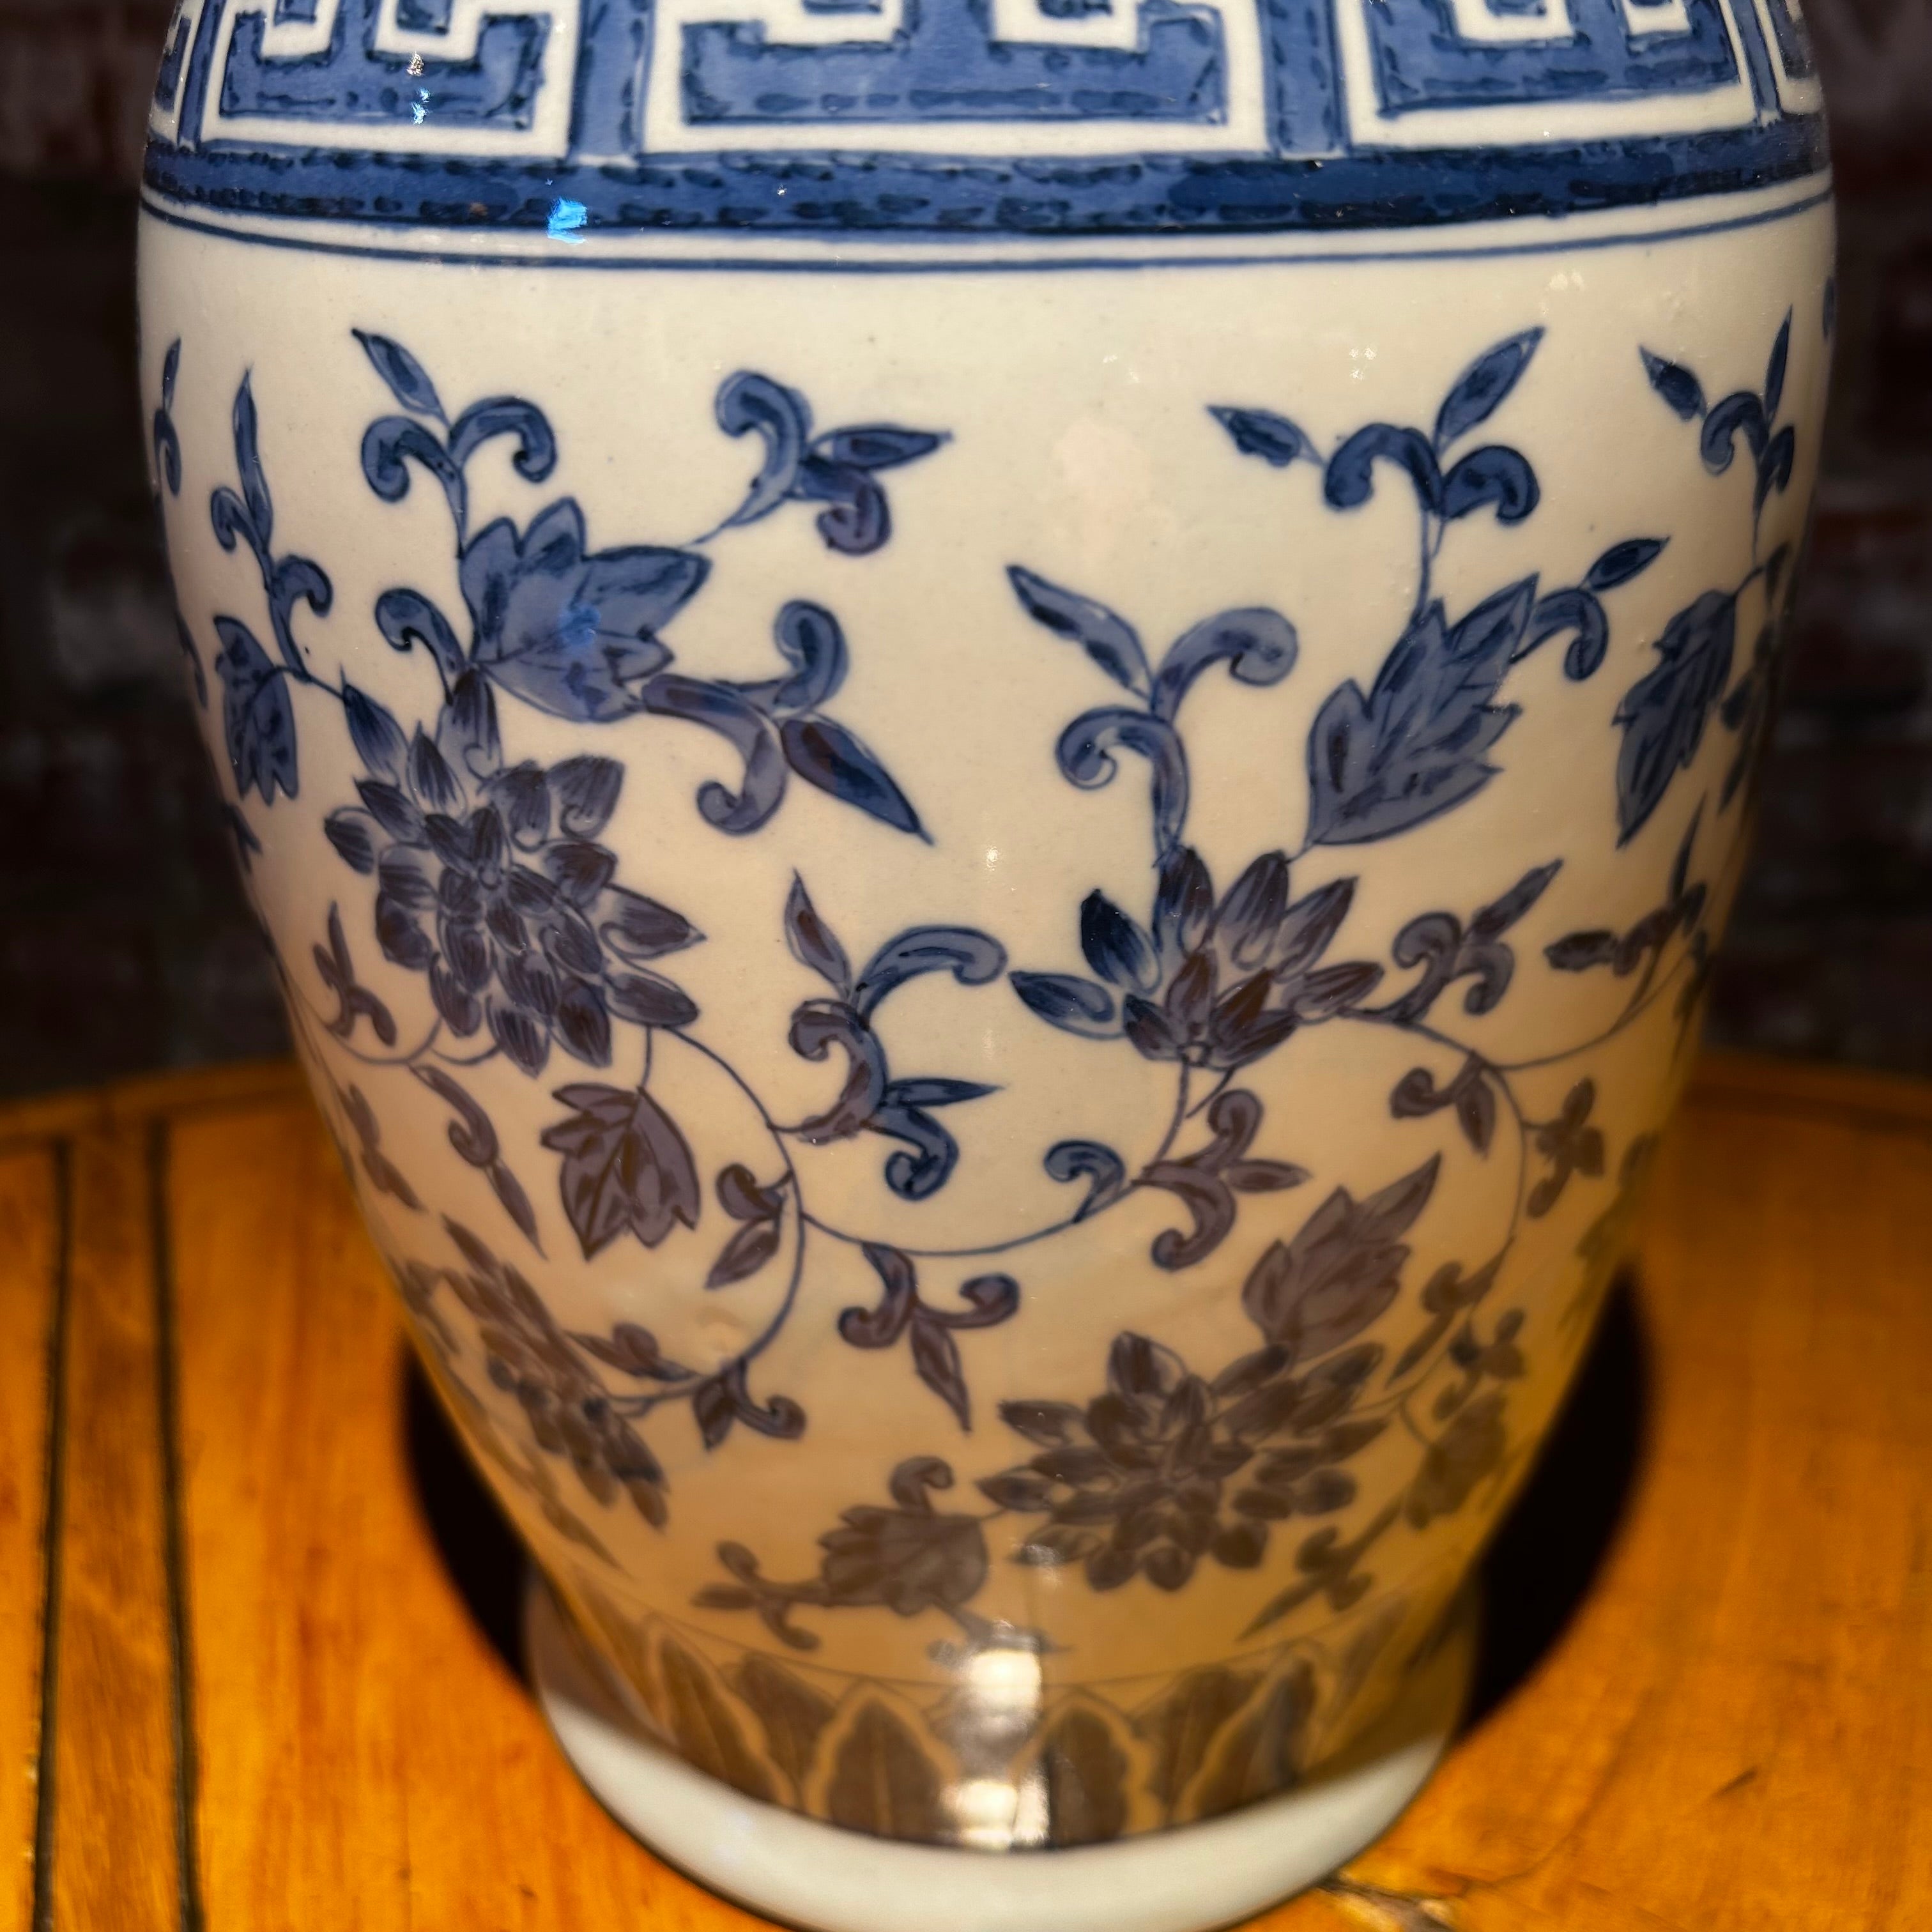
748, 402
1676, 384
824, 754
859, 520
393, 809
1258, 646
229, 517
813, 943
407, 618
167, 443
1478, 392
1115, 946
935, 1091
1415, 745
920, 1173
1489, 634
300, 579
627, 1167
431, 780
1085, 751
1663, 714
1491, 475
1578, 612
580, 870
1248, 921
1350, 478
388, 441
573, 633
637, 929
1183, 905
1742, 414
971, 957
1309, 927
1774, 373
817, 1027
295, 580
466, 732
1146, 1027
1774, 469
645, 999
248, 464
1261, 432
408, 382
880, 1326
348, 831
378, 739
811, 641
522, 794
258, 721
586, 788
1107, 638
584, 1024
1100, 1165
1621, 562
718, 708
877, 446
535, 454
1074, 1005
167, 453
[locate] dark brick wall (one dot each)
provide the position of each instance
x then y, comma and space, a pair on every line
124, 941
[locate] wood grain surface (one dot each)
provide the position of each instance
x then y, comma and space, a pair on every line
257, 1624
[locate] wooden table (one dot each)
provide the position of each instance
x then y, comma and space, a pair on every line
257, 1624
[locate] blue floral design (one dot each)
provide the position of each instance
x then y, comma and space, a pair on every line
573, 634
1210, 985
491, 879
1417, 743
577, 633
871, 1100
1258, 646
257, 718
165, 441
1664, 714
839, 469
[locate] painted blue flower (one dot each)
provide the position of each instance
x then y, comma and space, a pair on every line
490, 880
573, 634
1213, 985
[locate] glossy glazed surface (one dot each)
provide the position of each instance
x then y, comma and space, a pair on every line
998, 932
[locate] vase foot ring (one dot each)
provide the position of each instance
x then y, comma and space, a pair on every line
823, 1877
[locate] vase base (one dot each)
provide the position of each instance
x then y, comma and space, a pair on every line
822, 1876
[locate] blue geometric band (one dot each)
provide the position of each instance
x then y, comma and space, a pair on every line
944, 116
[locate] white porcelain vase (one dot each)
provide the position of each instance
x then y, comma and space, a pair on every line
992, 753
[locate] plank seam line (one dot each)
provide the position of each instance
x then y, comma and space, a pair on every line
181, 1645
51, 1526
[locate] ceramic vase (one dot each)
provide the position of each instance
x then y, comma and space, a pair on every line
992, 749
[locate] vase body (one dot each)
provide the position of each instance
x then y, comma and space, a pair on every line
992, 761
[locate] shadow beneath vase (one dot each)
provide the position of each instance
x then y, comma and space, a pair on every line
479, 1550
1539, 1567
1549, 1548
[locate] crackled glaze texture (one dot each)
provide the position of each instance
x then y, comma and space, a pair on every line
992, 751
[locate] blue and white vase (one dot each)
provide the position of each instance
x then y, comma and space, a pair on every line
993, 747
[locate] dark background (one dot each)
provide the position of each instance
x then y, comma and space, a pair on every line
125, 944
